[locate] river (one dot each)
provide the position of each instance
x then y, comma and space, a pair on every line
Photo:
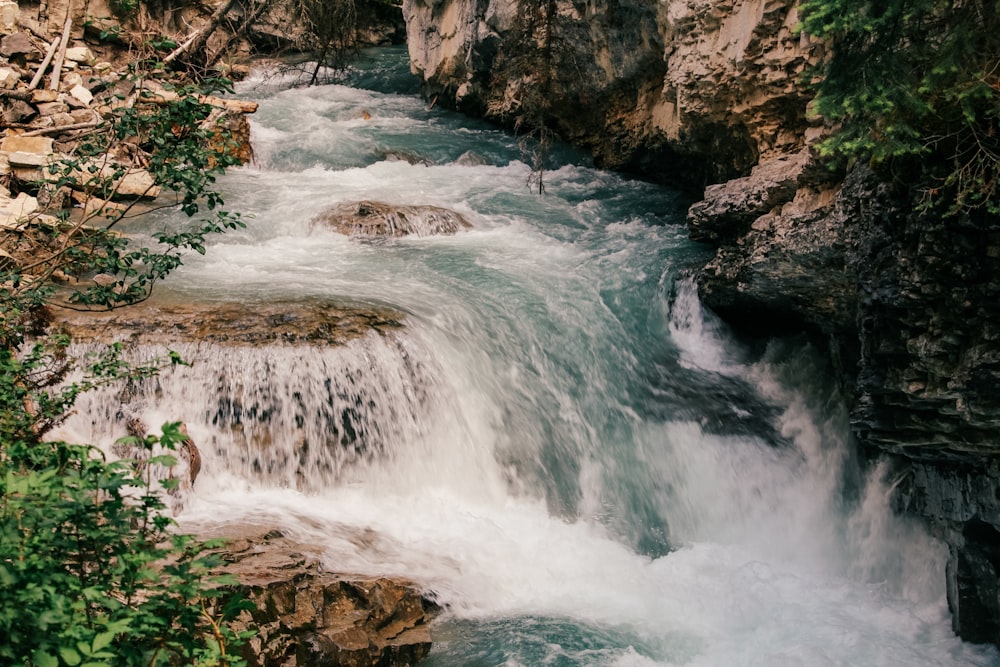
582, 464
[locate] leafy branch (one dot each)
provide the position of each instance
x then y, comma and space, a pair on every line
92, 572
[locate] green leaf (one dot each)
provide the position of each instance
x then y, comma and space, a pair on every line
69, 656
102, 640
44, 659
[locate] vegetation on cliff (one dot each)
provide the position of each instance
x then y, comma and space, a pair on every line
90, 571
915, 89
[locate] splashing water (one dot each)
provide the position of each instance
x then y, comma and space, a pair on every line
583, 466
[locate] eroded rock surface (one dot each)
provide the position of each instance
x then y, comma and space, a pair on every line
687, 91
232, 323
305, 615
372, 219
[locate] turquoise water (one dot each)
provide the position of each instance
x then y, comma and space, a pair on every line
579, 462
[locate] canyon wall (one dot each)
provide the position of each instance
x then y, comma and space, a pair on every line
710, 96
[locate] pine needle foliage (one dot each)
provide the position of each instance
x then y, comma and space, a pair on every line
915, 82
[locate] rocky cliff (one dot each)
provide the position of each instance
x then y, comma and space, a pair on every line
710, 96
694, 92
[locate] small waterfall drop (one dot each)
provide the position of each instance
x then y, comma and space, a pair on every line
559, 443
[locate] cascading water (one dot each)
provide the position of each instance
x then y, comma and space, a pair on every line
583, 466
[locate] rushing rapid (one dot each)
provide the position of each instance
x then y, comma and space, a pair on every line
582, 465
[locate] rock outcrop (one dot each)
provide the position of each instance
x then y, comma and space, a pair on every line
689, 92
231, 323
908, 303
305, 615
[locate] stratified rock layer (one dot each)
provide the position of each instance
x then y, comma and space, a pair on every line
304, 615
232, 323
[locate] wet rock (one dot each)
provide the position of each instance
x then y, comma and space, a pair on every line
960, 502
729, 208
789, 270
719, 404
471, 159
406, 156
306, 615
233, 323
376, 219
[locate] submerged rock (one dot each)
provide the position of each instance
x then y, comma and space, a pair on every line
405, 156
304, 615
378, 219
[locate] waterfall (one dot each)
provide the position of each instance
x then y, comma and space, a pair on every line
581, 463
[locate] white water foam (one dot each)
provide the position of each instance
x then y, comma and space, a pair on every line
513, 462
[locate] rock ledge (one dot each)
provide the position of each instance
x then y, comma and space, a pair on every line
304, 615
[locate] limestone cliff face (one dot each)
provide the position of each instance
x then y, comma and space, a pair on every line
686, 91
709, 95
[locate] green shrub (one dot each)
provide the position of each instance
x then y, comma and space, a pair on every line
91, 571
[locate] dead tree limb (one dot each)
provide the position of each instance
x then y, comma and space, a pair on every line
37, 79
57, 66
196, 41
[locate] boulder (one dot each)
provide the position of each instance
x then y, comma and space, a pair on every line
728, 208
305, 615
789, 269
378, 219
16, 44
